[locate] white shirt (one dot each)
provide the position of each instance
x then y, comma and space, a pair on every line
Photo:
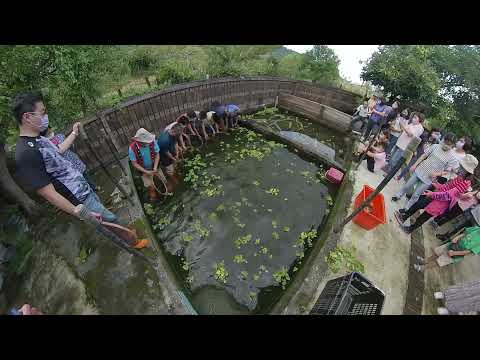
169, 126
362, 111
451, 174
404, 139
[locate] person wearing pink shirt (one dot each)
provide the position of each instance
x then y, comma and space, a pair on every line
444, 199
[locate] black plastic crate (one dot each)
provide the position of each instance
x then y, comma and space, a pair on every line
351, 294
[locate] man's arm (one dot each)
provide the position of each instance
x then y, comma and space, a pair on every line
379, 113
155, 164
171, 156
64, 146
420, 159
458, 253
140, 168
406, 129
53, 197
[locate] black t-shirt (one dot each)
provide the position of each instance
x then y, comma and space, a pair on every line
31, 173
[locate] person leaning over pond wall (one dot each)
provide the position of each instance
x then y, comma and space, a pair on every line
41, 169
360, 116
143, 152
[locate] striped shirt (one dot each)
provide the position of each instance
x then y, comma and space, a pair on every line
437, 160
459, 156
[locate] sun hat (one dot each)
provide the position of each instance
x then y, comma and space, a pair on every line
469, 163
144, 136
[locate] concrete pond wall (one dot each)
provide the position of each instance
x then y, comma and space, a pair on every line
108, 134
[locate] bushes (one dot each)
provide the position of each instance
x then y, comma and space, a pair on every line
173, 72
141, 61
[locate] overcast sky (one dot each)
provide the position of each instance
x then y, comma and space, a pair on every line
349, 56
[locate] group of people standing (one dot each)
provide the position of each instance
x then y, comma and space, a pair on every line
153, 157
441, 175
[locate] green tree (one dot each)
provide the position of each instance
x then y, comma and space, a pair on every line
235, 60
290, 65
404, 71
68, 76
321, 65
141, 61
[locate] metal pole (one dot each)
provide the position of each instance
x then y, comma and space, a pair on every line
102, 165
412, 146
113, 151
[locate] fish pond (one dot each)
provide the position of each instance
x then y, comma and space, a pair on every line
241, 223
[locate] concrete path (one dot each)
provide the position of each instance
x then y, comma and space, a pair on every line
440, 278
384, 251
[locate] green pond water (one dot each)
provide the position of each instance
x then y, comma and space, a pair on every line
204, 233
283, 120
238, 228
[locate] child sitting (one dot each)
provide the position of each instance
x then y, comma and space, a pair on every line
382, 138
376, 157
454, 251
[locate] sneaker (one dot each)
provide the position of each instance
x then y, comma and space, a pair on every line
421, 260
438, 295
395, 199
399, 217
419, 268
443, 311
142, 243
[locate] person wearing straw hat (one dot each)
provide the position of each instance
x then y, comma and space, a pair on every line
144, 155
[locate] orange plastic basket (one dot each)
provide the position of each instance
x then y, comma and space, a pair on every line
369, 220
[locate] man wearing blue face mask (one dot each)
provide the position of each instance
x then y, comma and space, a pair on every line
41, 169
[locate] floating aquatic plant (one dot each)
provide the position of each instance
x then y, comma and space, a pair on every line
239, 259
200, 229
221, 273
273, 191
243, 240
149, 210
282, 277
286, 229
187, 237
275, 235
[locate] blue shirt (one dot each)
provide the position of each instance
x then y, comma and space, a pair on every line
375, 117
146, 157
220, 110
232, 108
166, 142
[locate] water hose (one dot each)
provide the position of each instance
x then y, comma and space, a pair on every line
103, 228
